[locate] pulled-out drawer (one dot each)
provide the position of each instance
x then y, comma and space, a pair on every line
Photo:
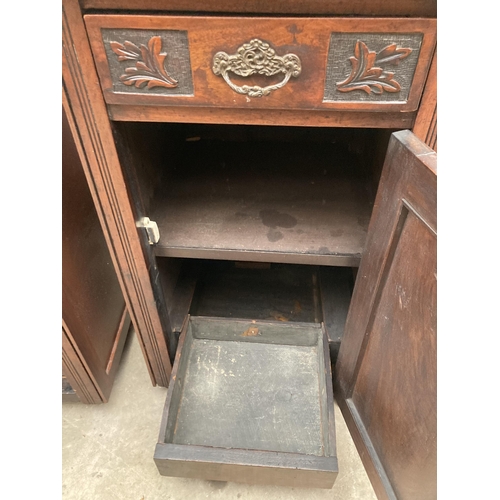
250, 401
325, 64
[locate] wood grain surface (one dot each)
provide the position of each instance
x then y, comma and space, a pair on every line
264, 201
107, 186
425, 127
376, 8
307, 38
296, 117
385, 376
95, 318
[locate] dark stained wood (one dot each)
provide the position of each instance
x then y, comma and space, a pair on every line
93, 309
278, 292
138, 154
178, 282
385, 376
425, 127
323, 118
105, 179
244, 466
415, 8
179, 279
262, 201
335, 286
307, 38
261, 456
77, 374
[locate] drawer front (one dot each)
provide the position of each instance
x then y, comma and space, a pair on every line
263, 63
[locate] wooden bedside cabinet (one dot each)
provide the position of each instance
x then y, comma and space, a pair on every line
269, 210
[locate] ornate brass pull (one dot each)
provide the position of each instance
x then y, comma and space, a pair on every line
256, 57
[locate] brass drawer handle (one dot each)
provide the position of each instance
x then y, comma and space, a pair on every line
256, 57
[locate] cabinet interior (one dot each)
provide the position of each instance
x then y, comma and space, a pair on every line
255, 222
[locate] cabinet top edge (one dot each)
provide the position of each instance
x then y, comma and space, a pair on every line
365, 8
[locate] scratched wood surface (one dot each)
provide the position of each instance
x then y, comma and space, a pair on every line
255, 386
250, 399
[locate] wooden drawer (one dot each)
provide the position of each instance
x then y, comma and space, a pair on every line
344, 64
252, 402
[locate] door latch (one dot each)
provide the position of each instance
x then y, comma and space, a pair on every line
151, 229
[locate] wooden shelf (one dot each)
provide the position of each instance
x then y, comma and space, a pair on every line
264, 201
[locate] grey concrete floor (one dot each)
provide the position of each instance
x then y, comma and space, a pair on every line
108, 450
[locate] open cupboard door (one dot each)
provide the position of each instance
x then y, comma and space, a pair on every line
385, 376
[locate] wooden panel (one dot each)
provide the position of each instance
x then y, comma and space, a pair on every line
250, 467
311, 118
107, 185
411, 8
425, 127
76, 372
385, 376
263, 201
351, 73
277, 292
336, 290
396, 397
93, 307
123, 45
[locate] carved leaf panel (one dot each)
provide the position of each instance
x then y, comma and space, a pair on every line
150, 69
376, 67
149, 61
367, 73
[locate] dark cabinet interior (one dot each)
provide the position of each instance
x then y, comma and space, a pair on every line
248, 216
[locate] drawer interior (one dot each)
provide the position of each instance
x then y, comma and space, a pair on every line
260, 388
219, 400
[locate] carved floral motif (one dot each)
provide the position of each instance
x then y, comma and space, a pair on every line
150, 66
367, 71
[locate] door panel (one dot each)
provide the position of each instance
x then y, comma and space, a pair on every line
95, 319
385, 376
